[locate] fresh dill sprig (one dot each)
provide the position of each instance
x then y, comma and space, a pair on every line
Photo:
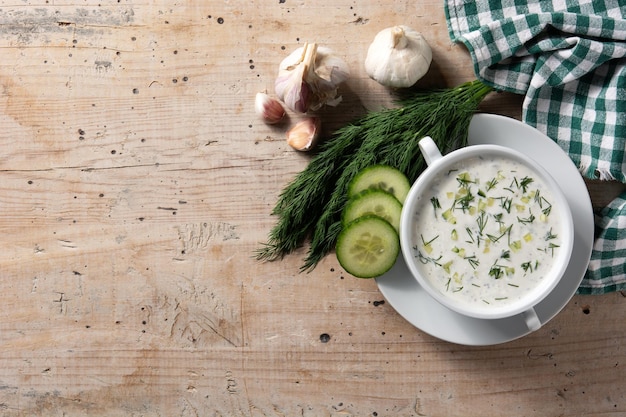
436, 204
481, 220
492, 183
310, 206
473, 261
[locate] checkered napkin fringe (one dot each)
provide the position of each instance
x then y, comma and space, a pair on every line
568, 59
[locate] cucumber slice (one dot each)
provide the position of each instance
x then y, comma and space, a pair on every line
374, 202
368, 247
380, 177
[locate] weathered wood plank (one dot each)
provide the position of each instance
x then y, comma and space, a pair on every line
136, 183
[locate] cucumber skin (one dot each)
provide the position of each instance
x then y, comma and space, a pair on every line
381, 173
352, 205
393, 245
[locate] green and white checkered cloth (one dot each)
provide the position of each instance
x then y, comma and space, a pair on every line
568, 59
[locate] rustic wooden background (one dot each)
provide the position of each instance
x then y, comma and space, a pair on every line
136, 182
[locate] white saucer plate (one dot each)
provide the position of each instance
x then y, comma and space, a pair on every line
413, 303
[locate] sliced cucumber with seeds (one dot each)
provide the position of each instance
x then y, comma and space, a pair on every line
380, 177
368, 247
373, 202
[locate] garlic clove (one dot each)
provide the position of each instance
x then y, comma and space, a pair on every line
269, 108
292, 89
303, 135
398, 57
297, 94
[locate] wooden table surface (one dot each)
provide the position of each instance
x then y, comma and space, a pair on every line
136, 184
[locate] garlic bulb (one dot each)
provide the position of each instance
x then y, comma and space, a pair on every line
398, 57
304, 134
270, 109
309, 78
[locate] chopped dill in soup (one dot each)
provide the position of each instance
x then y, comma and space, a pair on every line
486, 232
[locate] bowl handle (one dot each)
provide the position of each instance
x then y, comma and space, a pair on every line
531, 319
429, 150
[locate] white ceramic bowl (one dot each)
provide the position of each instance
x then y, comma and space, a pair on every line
433, 273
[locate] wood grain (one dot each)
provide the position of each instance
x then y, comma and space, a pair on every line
136, 184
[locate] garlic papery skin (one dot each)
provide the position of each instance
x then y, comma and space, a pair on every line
269, 108
303, 135
290, 86
398, 57
309, 78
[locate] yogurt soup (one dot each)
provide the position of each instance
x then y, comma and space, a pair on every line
485, 232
